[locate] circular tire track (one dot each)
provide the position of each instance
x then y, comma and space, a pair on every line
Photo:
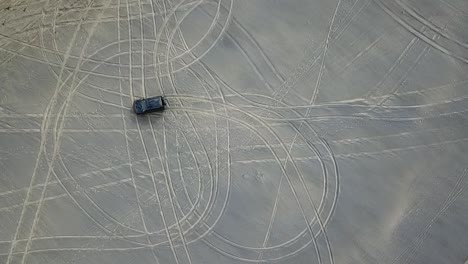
199, 222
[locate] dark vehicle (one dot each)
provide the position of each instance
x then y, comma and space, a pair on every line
149, 105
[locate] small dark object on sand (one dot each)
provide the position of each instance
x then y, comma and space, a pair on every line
149, 105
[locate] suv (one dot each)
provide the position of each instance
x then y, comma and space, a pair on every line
148, 105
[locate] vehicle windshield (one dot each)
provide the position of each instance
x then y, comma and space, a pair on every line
139, 106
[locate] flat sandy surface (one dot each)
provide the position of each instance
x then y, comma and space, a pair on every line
296, 131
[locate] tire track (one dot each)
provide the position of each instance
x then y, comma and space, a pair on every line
254, 132
420, 56
173, 86
418, 34
44, 127
168, 181
150, 167
449, 200
137, 196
